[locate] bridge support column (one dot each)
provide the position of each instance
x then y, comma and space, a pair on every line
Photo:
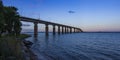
58, 29
46, 29
70, 30
35, 29
62, 29
65, 29
53, 29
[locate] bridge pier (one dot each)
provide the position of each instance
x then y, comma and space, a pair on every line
70, 30
58, 29
66, 29
54, 29
62, 29
46, 29
35, 29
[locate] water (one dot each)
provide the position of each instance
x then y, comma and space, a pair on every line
77, 46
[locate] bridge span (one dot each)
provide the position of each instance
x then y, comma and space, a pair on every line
61, 27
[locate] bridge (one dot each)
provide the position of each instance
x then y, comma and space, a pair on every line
61, 28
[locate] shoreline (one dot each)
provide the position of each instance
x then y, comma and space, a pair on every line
26, 45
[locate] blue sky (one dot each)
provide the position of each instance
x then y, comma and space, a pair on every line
90, 15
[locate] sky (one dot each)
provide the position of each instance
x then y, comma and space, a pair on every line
89, 15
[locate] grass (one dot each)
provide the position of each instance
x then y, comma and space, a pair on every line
23, 36
11, 48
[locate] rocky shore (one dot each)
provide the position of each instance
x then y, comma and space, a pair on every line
29, 55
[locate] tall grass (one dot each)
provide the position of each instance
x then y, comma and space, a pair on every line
10, 49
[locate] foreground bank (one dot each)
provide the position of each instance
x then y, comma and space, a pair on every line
14, 48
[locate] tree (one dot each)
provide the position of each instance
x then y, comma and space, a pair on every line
12, 20
2, 21
9, 20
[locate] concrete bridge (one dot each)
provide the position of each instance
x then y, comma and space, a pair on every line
61, 28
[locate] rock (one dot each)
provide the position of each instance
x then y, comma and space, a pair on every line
28, 44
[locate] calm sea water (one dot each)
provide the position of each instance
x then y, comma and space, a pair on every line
77, 46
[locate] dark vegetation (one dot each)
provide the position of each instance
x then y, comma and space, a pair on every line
9, 20
10, 37
10, 48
